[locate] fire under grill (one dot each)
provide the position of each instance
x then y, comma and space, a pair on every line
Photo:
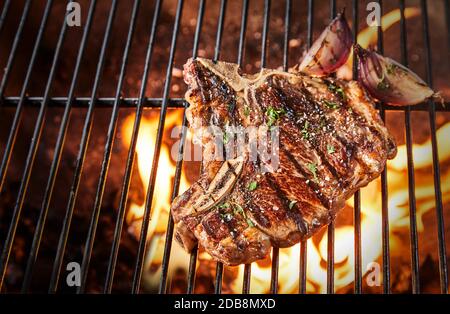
45, 58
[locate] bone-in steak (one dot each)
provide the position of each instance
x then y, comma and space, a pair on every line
331, 143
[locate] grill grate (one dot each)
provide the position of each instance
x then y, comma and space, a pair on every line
117, 102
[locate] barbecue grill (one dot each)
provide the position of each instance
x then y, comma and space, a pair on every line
45, 103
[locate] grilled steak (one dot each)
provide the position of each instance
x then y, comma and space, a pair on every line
331, 143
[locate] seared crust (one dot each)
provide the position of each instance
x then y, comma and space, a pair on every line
332, 142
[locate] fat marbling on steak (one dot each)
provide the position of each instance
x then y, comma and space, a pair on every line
331, 143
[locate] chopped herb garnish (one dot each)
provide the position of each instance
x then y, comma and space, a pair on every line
238, 209
252, 186
246, 111
330, 149
224, 205
273, 115
313, 168
391, 68
305, 131
292, 203
382, 85
230, 107
226, 138
331, 104
338, 90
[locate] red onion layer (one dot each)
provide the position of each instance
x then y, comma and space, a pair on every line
330, 50
389, 81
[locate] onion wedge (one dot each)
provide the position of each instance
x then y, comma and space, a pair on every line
389, 81
330, 50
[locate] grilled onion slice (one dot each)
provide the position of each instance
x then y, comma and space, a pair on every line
388, 81
330, 50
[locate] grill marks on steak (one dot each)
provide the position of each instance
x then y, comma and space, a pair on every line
332, 142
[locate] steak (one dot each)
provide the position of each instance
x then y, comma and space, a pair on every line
331, 142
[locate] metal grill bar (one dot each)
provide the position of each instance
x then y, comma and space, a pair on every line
170, 224
274, 272
131, 155
357, 196
32, 149
303, 264
411, 179
4, 13
287, 25
265, 32
17, 40
275, 251
223, 7
219, 268
223, 4
151, 185
201, 12
333, 9
152, 102
242, 32
18, 114
107, 153
247, 279
247, 267
165, 102
170, 227
218, 279
169, 233
384, 188
330, 258
331, 226
101, 102
56, 156
81, 156
191, 274
193, 257
436, 166
304, 244
310, 22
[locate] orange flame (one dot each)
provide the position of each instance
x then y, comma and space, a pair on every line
371, 224
163, 183
371, 227
369, 36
